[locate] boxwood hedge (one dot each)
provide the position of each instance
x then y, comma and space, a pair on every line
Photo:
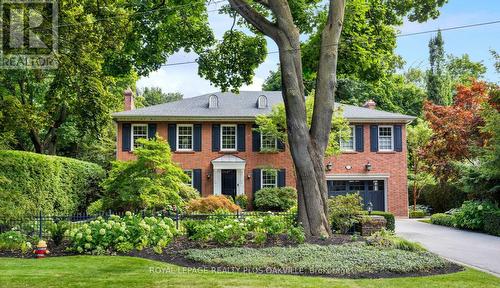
31, 182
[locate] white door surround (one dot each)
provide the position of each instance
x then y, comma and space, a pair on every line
229, 162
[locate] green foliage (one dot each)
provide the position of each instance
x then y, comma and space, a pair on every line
188, 192
95, 207
274, 124
442, 197
492, 222
152, 181
387, 239
471, 214
439, 86
233, 61
389, 217
344, 211
32, 182
442, 219
417, 214
341, 260
154, 96
228, 231
462, 69
212, 204
122, 234
14, 241
275, 199
242, 201
57, 231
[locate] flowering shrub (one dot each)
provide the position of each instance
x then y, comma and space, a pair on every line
14, 241
471, 214
236, 232
122, 234
211, 204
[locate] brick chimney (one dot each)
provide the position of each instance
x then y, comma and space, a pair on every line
370, 104
128, 99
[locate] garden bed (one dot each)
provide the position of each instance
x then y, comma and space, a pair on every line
354, 260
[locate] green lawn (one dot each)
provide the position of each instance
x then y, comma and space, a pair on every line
106, 271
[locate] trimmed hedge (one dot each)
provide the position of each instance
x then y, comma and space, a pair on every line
275, 199
492, 222
389, 217
31, 182
417, 214
442, 219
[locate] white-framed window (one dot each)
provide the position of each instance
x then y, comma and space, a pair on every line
262, 102
189, 173
228, 137
268, 142
269, 178
213, 102
385, 138
139, 131
185, 137
349, 143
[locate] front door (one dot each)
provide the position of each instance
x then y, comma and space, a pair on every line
228, 178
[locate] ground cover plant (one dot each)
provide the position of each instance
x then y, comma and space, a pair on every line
339, 260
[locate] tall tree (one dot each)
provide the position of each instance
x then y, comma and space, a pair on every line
154, 96
438, 84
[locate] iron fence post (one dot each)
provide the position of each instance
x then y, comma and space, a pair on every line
40, 227
177, 219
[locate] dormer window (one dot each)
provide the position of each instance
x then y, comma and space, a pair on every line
262, 102
213, 102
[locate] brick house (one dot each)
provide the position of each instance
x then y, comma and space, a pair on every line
212, 139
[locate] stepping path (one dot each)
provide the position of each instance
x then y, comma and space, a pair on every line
470, 248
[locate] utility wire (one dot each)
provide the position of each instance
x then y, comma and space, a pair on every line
400, 35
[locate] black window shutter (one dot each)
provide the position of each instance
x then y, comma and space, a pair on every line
255, 139
360, 142
398, 138
256, 180
282, 178
126, 134
197, 179
216, 137
197, 137
241, 137
280, 145
172, 136
151, 130
374, 138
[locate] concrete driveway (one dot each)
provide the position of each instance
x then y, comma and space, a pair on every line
474, 249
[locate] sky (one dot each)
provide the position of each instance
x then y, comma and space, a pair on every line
475, 41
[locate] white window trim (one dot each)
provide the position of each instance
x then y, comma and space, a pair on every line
132, 134
211, 103
353, 129
261, 105
392, 137
235, 137
262, 178
177, 135
191, 170
262, 141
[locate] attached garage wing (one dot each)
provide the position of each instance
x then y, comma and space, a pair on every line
373, 191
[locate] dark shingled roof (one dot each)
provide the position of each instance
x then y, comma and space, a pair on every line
241, 106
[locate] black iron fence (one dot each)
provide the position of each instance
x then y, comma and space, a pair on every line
46, 226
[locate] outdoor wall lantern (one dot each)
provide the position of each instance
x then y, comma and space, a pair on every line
370, 208
209, 175
348, 167
368, 166
329, 166
249, 175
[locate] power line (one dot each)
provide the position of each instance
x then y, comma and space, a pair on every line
400, 35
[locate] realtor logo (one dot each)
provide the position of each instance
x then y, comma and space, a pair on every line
29, 34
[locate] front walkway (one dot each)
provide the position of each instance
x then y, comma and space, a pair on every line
470, 248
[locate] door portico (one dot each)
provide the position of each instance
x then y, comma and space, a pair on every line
228, 163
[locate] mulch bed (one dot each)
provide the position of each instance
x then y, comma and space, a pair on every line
173, 254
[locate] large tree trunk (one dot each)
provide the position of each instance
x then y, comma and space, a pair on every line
306, 146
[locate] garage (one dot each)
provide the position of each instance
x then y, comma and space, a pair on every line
370, 190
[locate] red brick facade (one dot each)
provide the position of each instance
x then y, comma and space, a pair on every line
391, 165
